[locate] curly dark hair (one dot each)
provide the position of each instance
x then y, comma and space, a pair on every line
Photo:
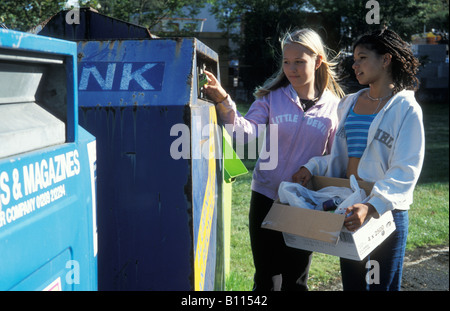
404, 64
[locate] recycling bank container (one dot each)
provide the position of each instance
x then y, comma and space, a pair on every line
48, 237
159, 169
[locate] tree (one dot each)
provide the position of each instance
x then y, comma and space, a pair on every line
339, 22
406, 17
148, 13
24, 15
432, 14
256, 27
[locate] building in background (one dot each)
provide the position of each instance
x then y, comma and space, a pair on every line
431, 48
204, 26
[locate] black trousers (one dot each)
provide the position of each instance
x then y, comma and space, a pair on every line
271, 256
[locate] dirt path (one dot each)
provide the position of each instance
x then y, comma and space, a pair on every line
424, 269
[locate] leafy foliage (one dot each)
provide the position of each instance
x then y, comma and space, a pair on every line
149, 12
339, 22
23, 15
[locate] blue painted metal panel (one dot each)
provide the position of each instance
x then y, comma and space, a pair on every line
29, 42
143, 200
132, 92
158, 216
48, 233
135, 72
48, 238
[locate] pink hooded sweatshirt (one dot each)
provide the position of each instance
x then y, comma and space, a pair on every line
291, 138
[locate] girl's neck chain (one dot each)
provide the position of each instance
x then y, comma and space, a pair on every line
380, 99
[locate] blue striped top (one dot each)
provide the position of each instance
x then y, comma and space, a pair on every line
356, 129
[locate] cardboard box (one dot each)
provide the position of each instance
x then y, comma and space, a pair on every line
323, 231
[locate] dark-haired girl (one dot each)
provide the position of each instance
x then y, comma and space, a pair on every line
380, 139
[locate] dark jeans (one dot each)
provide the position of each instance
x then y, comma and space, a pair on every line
384, 272
271, 256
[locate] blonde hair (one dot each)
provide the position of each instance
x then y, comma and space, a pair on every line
325, 75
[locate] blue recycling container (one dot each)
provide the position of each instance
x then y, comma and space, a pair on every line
160, 219
48, 231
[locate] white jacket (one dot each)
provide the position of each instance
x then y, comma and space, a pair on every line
394, 154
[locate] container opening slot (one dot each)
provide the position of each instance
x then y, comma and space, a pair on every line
33, 102
204, 63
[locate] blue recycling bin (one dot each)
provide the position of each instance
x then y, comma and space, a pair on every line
160, 219
48, 232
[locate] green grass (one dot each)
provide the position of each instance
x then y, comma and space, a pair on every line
429, 214
241, 267
428, 224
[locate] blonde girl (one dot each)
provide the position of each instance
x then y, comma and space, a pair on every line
297, 107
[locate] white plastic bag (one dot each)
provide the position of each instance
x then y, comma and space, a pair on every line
357, 196
295, 194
